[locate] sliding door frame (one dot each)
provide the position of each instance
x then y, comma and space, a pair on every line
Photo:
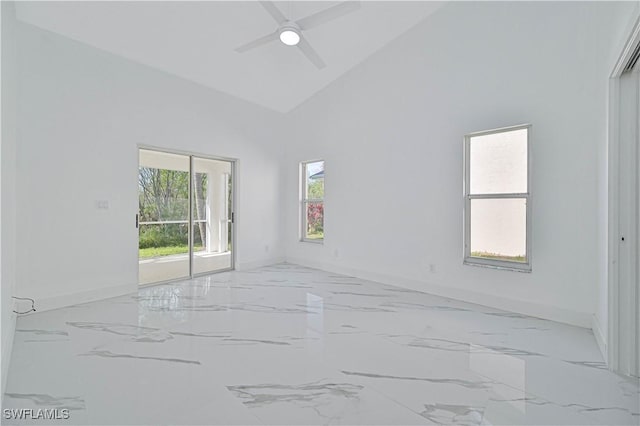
192, 155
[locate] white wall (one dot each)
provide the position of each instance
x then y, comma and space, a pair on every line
7, 185
391, 133
82, 113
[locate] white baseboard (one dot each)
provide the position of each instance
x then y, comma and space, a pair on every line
552, 313
55, 302
252, 264
601, 339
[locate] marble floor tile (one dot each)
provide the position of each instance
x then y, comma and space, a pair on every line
291, 345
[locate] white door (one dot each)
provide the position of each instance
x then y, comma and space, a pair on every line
624, 342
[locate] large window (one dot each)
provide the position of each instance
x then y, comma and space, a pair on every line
312, 201
497, 198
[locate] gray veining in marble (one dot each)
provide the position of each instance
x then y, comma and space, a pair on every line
457, 382
253, 341
109, 354
451, 414
205, 335
137, 333
419, 306
593, 364
308, 393
44, 332
284, 344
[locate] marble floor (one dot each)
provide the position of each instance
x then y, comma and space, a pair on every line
291, 345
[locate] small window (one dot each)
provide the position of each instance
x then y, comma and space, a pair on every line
312, 201
497, 194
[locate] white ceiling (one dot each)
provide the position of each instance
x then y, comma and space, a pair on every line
196, 40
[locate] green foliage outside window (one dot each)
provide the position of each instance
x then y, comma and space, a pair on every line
163, 195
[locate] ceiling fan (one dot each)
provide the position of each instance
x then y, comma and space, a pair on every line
290, 32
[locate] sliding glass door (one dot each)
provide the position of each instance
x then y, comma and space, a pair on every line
211, 215
185, 216
163, 216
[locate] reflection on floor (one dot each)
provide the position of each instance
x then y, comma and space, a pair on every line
292, 345
164, 268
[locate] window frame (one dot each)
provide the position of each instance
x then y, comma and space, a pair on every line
496, 263
304, 201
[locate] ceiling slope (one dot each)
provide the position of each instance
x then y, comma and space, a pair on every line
196, 40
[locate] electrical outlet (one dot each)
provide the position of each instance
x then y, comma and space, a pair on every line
102, 204
432, 268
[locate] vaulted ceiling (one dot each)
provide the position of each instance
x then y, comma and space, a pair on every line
196, 40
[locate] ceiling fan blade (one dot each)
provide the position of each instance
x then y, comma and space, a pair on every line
310, 53
328, 14
257, 43
274, 11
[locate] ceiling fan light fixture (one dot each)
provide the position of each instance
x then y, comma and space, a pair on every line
289, 36
290, 32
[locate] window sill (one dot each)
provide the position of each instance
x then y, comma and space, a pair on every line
319, 242
505, 266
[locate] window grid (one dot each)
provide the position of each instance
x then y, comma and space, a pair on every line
306, 201
521, 266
